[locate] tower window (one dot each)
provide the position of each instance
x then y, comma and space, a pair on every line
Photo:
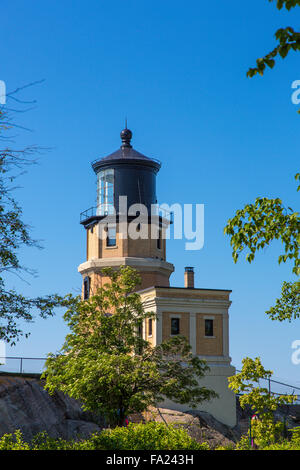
105, 192
209, 327
86, 288
175, 326
150, 327
111, 236
159, 239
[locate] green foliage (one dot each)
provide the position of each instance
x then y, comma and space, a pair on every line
297, 178
14, 234
287, 307
150, 436
253, 228
110, 368
243, 444
13, 442
293, 444
227, 447
288, 4
264, 429
288, 39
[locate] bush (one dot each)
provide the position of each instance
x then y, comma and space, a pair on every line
13, 442
293, 444
150, 436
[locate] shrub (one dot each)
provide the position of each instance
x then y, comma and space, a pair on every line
243, 443
293, 444
150, 436
13, 442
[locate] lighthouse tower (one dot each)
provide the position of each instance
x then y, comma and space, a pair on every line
123, 230
126, 192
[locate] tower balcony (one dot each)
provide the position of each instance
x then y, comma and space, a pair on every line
96, 213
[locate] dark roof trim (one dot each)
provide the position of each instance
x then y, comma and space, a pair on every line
192, 289
185, 288
125, 156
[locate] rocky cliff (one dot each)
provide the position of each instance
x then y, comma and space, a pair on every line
25, 405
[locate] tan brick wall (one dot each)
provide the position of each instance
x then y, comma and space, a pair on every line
148, 279
184, 324
92, 242
209, 346
146, 248
111, 251
140, 248
193, 294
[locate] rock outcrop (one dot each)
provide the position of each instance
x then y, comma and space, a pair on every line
25, 405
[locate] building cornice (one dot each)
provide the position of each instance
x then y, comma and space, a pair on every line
141, 264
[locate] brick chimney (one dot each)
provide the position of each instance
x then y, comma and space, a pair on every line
189, 277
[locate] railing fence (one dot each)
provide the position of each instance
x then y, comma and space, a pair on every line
35, 365
276, 387
22, 365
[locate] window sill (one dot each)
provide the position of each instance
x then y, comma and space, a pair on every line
211, 337
111, 247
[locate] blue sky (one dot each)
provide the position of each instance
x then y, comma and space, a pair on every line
178, 71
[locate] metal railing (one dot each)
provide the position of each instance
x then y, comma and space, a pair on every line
35, 365
280, 387
108, 209
22, 365
101, 210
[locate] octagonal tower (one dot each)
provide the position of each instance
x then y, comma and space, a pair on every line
126, 197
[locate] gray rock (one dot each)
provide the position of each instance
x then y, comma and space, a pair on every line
25, 405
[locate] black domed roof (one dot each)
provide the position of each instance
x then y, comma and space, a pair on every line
125, 154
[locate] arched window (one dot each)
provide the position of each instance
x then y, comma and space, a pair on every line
86, 287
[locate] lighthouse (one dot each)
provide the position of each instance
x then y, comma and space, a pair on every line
124, 228
126, 192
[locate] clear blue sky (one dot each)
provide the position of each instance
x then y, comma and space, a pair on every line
178, 71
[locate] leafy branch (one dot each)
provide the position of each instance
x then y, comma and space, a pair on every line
288, 39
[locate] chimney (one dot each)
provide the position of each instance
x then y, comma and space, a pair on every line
189, 277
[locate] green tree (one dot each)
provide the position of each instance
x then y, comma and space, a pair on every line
107, 365
253, 228
15, 234
247, 384
258, 224
288, 39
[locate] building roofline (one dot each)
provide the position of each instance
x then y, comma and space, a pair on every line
191, 289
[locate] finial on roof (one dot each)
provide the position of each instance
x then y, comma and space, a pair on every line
126, 136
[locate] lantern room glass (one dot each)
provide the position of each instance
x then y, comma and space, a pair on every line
105, 192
